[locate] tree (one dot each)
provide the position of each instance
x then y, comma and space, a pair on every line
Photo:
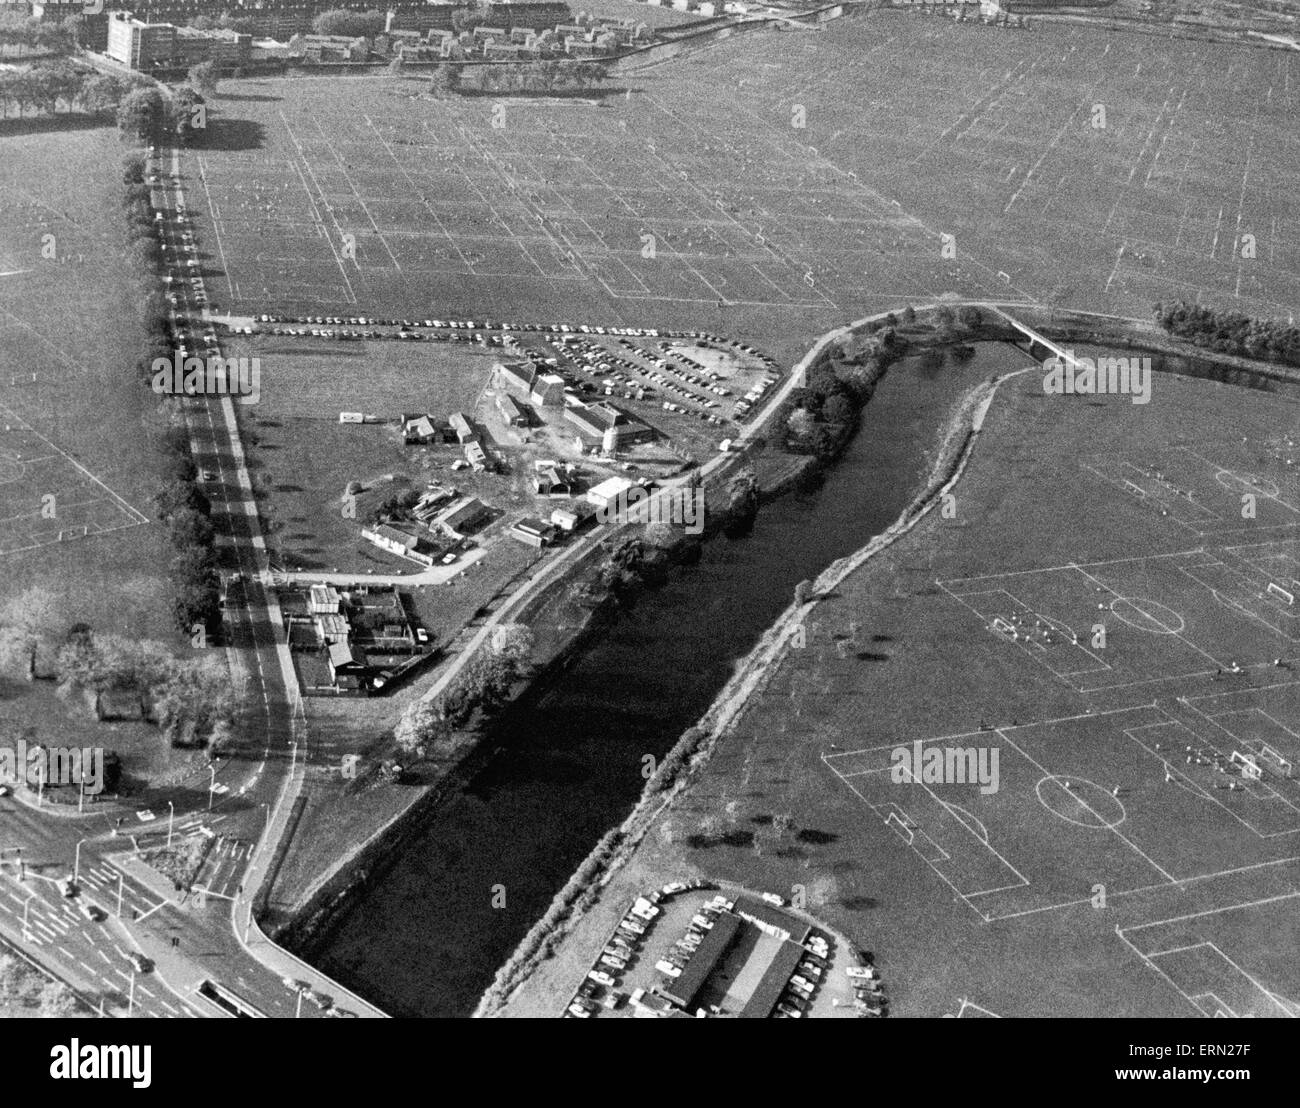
56, 1000
513, 644
96, 664
838, 409
152, 666
194, 700
13, 981
141, 113
349, 24
29, 624
205, 76
801, 423
191, 528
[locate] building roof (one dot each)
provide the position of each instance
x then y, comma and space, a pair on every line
462, 513
704, 961
340, 654
765, 915
773, 982
531, 526
609, 488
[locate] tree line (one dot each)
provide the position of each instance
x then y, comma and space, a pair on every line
26, 33
45, 87
543, 75
181, 504
1264, 340
483, 684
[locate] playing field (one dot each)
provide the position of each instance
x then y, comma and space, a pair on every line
774, 182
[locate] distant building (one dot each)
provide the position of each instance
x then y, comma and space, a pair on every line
609, 425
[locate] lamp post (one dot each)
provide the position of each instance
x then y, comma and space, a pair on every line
212, 784
76, 862
171, 820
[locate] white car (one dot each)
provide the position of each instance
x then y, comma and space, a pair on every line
145, 816
602, 978
667, 968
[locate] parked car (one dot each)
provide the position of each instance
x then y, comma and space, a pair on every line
92, 912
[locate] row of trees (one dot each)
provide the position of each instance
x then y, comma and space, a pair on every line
483, 684
548, 75
25, 34
1231, 332
43, 88
180, 503
146, 114
350, 24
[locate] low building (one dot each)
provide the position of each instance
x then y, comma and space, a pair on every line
772, 984
609, 425
773, 921
323, 600
419, 430
533, 532
517, 377
462, 428
547, 390
403, 542
462, 518
552, 481
333, 628
476, 456
608, 491
572, 518
684, 988
347, 666
513, 412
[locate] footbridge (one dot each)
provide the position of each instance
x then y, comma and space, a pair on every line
1037, 345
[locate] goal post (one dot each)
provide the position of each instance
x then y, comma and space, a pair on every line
1287, 597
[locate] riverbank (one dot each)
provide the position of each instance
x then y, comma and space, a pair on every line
603, 889
696, 746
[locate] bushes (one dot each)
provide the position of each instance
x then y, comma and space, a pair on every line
1231, 332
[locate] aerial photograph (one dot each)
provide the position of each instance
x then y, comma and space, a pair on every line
606, 509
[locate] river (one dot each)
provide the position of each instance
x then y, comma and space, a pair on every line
428, 933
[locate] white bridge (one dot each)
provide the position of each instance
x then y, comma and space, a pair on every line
1035, 339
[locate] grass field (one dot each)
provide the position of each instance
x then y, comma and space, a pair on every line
78, 462
784, 180
1128, 862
